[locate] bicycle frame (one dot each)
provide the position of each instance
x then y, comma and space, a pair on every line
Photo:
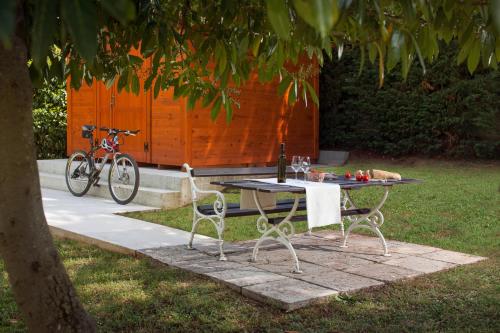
95, 171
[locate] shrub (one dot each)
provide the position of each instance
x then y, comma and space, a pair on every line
444, 112
49, 120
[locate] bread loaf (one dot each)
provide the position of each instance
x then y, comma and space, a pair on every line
381, 174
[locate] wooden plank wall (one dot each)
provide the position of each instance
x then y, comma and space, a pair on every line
82, 110
175, 136
262, 122
168, 137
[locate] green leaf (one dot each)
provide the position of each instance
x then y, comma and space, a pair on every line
209, 97
372, 52
80, 17
494, 10
148, 82
320, 14
465, 50
473, 59
277, 12
191, 102
409, 10
312, 92
243, 47
381, 68
214, 112
123, 81
256, 45
292, 93
135, 84
419, 53
135, 60
229, 111
220, 57
497, 49
7, 17
75, 73
284, 84
122, 10
44, 27
394, 51
156, 89
180, 91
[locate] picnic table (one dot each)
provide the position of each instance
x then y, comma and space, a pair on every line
281, 229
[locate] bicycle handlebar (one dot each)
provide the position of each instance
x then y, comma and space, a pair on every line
116, 131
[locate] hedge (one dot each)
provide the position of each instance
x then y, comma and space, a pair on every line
446, 112
49, 120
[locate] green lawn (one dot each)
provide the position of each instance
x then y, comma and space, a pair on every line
456, 208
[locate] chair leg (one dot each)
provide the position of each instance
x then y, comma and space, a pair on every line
193, 231
220, 233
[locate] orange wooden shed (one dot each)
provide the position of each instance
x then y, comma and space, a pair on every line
170, 135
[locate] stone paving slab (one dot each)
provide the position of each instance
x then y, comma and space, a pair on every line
452, 257
336, 280
244, 276
207, 266
382, 272
420, 264
288, 294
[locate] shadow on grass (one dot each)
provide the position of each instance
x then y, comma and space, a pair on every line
136, 295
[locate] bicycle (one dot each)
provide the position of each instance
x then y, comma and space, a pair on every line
83, 168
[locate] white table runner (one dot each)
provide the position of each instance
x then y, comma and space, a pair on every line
322, 200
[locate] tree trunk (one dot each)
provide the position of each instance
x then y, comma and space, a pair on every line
41, 286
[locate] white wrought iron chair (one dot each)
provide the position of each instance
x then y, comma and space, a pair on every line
219, 211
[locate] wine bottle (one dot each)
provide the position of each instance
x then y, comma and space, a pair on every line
282, 165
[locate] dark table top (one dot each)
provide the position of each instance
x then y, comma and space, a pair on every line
277, 188
250, 171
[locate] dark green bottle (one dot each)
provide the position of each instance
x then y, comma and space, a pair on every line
282, 165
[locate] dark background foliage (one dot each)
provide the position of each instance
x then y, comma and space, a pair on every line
49, 120
446, 112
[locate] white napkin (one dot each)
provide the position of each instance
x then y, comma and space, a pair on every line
322, 199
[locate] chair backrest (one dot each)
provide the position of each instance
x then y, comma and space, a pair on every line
194, 188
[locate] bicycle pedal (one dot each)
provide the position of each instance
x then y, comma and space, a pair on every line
96, 183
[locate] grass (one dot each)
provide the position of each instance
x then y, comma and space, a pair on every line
457, 208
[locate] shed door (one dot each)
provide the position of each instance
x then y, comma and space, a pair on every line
130, 112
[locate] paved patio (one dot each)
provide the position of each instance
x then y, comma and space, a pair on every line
328, 268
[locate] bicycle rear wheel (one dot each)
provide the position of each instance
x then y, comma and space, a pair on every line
123, 179
78, 172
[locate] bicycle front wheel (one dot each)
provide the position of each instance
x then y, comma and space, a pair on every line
78, 172
123, 179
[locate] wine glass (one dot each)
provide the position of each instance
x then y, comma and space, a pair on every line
306, 165
296, 164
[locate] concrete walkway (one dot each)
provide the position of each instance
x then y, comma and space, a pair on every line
93, 220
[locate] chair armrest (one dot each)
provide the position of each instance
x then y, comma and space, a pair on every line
219, 204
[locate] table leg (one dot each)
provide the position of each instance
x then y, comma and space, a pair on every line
374, 219
281, 232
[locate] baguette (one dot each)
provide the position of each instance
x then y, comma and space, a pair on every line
381, 174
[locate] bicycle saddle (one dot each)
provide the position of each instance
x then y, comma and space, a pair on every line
88, 128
